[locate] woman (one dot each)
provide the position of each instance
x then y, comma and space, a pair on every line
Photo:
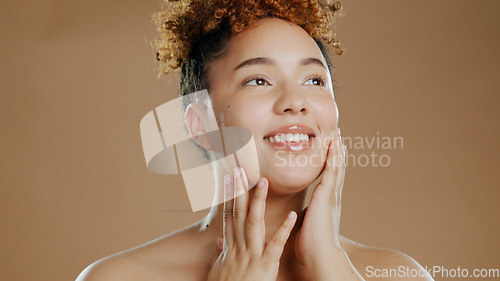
265, 68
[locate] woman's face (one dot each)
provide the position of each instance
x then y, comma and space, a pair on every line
274, 81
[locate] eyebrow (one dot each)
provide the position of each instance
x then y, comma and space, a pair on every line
254, 61
307, 61
270, 61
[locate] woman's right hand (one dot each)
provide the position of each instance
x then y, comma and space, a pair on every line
245, 254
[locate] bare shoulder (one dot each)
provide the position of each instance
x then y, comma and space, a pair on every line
374, 263
160, 259
116, 267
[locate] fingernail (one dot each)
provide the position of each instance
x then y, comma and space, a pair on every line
261, 182
292, 215
220, 242
237, 172
244, 177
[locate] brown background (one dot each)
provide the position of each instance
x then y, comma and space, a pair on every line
77, 77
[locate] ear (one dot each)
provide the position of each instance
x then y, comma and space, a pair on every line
195, 118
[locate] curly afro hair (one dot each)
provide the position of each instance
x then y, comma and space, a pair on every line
194, 33
184, 25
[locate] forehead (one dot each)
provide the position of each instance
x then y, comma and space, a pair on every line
276, 38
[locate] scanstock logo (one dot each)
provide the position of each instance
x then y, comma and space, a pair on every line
170, 148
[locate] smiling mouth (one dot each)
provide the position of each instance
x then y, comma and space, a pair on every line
291, 138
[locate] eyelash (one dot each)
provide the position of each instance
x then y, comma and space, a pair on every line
254, 77
261, 77
322, 79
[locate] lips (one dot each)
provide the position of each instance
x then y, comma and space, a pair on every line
291, 138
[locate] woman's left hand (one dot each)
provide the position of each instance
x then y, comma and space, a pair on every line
317, 243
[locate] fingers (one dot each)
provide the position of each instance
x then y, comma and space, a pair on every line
255, 227
227, 215
275, 246
243, 222
240, 207
235, 207
333, 176
340, 166
336, 156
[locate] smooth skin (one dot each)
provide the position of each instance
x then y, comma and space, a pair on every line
267, 233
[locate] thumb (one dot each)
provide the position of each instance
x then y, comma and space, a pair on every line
298, 250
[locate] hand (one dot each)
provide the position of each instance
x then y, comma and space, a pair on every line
317, 243
245, 255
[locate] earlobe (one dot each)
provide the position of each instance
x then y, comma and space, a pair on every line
194, 118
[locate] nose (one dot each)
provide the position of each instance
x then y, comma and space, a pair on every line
291, 101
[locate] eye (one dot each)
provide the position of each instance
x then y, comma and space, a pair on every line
315, 81
256, 81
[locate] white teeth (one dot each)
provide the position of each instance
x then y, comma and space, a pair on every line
288, 137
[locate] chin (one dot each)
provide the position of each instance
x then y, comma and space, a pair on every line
289, 180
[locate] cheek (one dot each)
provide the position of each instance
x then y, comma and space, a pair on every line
220, 107
326, 112
246, 112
